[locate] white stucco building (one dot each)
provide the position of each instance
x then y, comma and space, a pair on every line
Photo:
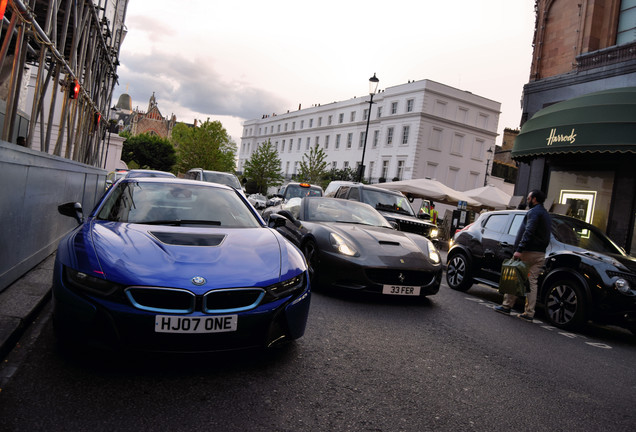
418, 129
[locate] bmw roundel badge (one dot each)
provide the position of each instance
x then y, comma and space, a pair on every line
198, 280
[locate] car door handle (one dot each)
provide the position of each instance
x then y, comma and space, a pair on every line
504, 244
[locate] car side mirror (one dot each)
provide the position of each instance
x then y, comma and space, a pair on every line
394, 225
72, 209
287, 215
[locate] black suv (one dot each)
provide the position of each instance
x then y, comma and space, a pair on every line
586, 275
393, 205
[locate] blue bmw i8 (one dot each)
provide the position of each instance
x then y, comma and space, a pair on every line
177, 265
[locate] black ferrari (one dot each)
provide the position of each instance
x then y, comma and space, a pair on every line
350, 246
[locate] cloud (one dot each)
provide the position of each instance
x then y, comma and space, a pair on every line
195, 85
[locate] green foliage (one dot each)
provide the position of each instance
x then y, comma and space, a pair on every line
148, 152
313, 167
207, 146
346, 174
263, 168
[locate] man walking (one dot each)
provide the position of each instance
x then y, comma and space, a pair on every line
532, 240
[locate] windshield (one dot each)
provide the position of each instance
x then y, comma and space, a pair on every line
583, 235
223, 178
297, 191
175, 204
337, 210
388, 202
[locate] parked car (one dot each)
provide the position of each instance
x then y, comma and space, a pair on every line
289, 191
154, 267
135, 173
220, 177
586, 275
333, 186
115, 175
258, 201
350, 246
393, 205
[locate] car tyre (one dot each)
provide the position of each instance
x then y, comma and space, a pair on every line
458, 273
310, 250
564, 303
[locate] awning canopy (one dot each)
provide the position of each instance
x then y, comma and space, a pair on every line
600, 122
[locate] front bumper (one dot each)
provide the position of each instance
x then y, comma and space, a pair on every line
90, 320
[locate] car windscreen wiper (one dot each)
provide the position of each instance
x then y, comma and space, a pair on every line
179, 222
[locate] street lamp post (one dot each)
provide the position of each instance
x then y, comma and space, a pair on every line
373, 87
487, 165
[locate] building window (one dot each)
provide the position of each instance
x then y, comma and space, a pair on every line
353, 116
282, 147
340, 118
457, 147
376, 138
451, 177
276, 146
307, 143
379, 112
295, 167
405, 134
349, 140
293, 125
285, 127
431, 170
389, 136
462, 115
393, 107
327, 142
319, 121
278, 128
337, 141
346, 164
298, 145
302, 124
362, 137
365, 114
409, 105
440, 108
291, 144
370, 173
478, 149
483, 121
329, 119
317, 142
334, 165
400, 169
626, 23
311, 123
385, 168
287, 168
435, 143
271, 129
473, 180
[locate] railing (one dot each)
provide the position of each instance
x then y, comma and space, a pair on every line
606, 57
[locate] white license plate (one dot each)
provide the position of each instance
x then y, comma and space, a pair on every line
401, 290
203, 324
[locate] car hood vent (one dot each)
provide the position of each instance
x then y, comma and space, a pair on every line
389, 243
188, 239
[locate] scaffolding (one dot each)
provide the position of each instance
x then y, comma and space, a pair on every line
70, 50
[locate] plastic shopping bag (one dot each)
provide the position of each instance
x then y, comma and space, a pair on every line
514, 277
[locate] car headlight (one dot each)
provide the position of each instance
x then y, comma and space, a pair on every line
622, 286
434, 232
91, 284
434, 255
287, 287
342, 245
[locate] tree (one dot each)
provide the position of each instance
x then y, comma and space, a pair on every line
346, 174
313, 167
263, 168
149, 152
207, 146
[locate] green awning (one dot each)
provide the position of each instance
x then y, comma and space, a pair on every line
601, 122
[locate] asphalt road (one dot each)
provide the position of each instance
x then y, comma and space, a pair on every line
448, 363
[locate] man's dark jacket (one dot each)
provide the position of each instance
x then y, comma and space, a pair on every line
534, 232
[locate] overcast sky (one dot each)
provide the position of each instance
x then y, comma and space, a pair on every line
237, 60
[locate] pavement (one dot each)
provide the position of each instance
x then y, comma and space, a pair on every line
22, 301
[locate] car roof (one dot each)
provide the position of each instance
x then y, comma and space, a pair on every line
148, 173
175, 180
